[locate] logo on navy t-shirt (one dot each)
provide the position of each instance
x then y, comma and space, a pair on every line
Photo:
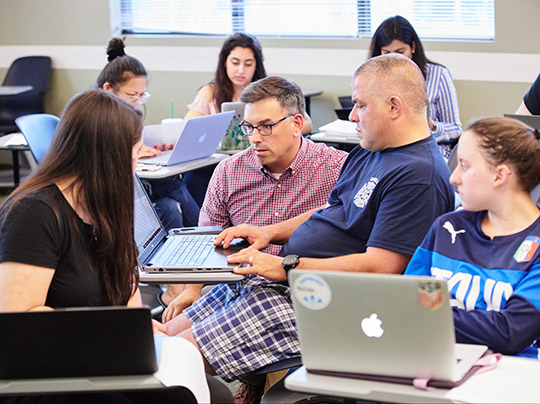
362, 197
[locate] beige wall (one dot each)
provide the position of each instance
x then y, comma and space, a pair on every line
62, 25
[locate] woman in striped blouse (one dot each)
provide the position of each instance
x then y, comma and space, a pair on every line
397, 35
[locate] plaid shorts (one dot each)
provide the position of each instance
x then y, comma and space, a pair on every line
241, 328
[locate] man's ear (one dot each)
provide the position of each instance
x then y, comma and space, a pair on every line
298, 121
107, 87
395, 105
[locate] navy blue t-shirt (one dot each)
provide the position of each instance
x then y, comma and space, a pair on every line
385, 199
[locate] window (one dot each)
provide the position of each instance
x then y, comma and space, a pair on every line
432, 19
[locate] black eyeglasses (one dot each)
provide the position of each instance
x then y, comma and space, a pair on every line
263, 129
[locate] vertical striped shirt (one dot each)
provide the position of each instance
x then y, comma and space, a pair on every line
242, 191
443, 103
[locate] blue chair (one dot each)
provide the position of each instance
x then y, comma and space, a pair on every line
38, 129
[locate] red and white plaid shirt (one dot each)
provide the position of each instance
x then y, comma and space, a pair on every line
243, 191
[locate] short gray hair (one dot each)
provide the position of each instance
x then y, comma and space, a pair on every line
289, 95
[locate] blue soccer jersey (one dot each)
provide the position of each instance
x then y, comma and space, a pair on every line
494, 284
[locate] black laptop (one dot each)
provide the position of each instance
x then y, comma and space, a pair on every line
82, 342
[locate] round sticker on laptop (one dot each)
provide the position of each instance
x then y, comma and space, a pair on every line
312, 292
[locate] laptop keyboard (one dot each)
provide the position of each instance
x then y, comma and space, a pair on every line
190, 250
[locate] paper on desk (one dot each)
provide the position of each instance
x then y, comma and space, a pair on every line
339, 128
14, 139
181, 364
514, 380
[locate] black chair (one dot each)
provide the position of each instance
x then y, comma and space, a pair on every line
38, 129
32, 71
346, 101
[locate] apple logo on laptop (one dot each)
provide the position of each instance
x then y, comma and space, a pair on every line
202, 138
372, 326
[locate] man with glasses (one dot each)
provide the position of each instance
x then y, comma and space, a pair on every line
279, 177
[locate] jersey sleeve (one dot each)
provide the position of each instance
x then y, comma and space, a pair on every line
30, 235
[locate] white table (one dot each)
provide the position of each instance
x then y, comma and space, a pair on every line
322, 137
169, 171
514, 380
14, 90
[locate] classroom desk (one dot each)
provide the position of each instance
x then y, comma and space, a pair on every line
514, 380
181, 168
14, 90
346, 143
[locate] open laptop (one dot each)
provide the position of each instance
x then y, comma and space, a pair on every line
389, 326
81, 342
161, 251
198, 138
234, 138
532, 120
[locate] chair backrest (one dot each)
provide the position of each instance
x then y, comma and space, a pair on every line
30, 71
38, 129
345, 101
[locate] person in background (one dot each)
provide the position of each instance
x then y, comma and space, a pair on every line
240, 62
489, 253
281, 176
531, 101
66, 234
126, 77
397, 35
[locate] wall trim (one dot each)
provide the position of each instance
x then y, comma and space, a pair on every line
468, 66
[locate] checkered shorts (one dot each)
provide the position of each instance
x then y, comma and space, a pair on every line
241, 328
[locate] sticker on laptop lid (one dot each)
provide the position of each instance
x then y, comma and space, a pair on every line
430, 294
312, 292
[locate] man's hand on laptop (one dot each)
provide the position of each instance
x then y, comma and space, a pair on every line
256, 236
266, 265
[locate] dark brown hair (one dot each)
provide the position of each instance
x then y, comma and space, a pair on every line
222, 86
399, 28
506, 140
93, 146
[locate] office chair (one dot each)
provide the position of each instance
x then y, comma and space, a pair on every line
26, 71
345, 101
38, 129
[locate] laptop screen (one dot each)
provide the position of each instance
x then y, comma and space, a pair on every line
148, 229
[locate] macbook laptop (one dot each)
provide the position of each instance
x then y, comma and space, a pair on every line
198, 138
532, 120
162, 251
81, 342
362, 325
234, 138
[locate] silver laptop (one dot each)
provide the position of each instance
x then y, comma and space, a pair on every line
162, 251
198, 138
532, 120
371, 324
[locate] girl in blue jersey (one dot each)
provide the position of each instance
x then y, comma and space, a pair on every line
489, 253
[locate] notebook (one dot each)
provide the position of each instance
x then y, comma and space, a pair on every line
198, 138
234, 138
82, 342
532, 120
162, 251
380, 327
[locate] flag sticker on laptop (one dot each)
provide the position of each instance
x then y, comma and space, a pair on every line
430, 294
